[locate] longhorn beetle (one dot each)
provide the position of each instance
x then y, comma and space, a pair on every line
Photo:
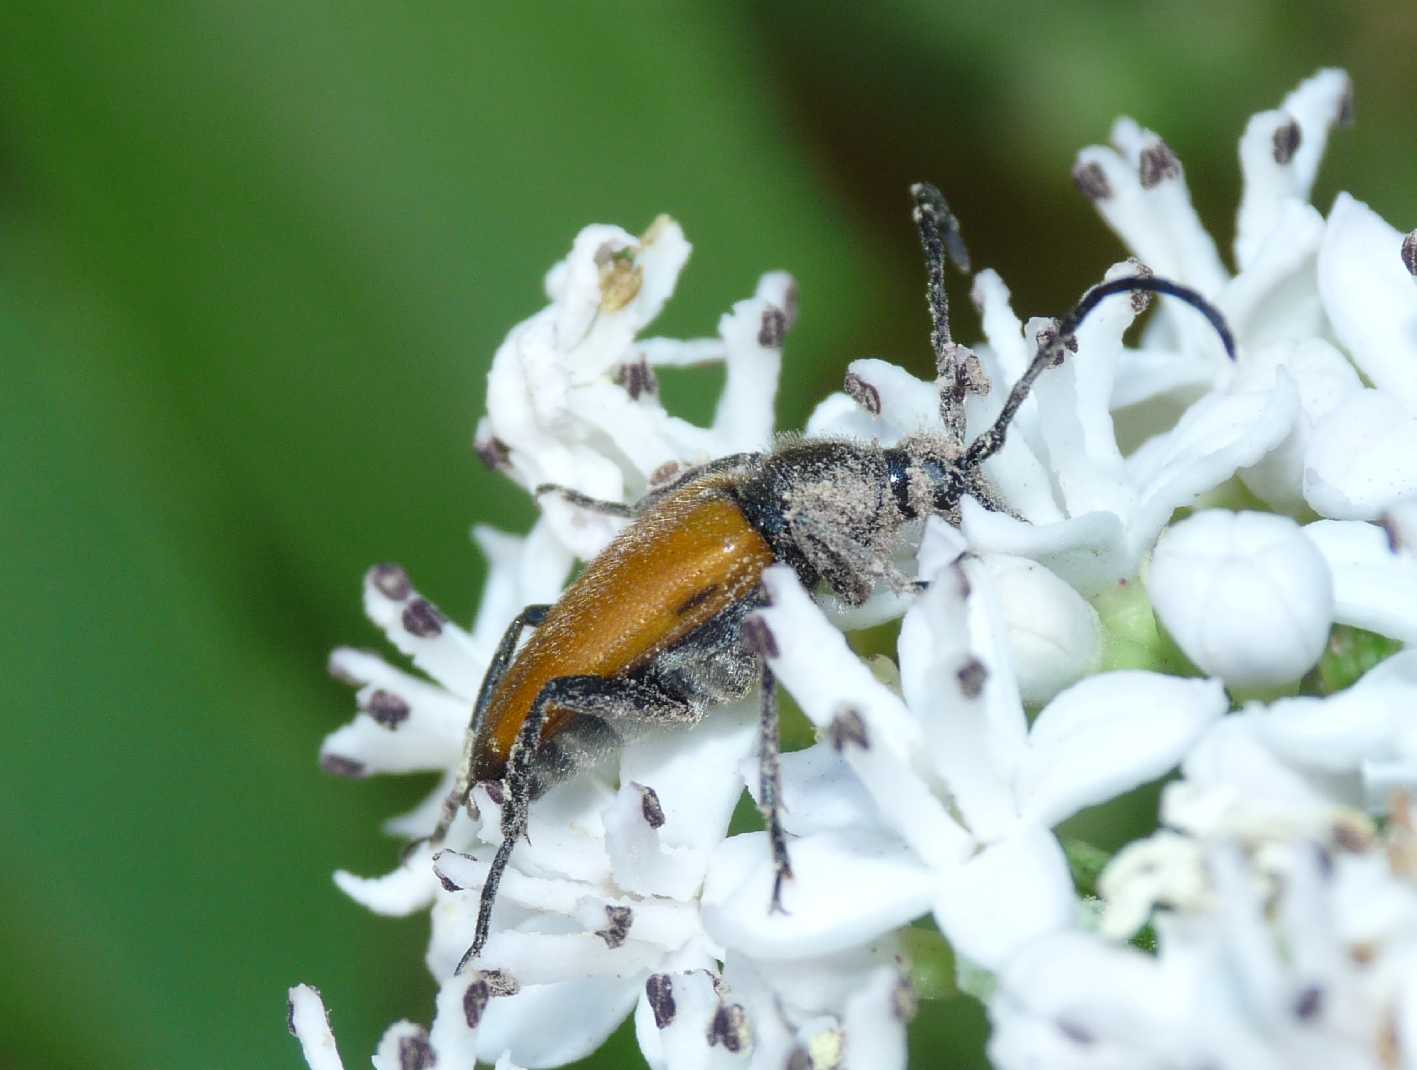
654, 631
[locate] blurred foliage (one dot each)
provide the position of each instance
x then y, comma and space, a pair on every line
254, 260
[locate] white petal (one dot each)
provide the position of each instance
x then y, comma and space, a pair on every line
1087, 551
683, 1042
641, 863
1274, 178
1192, 250
839, 416
1054, 636
549, 1025
1336, 734
310, 1024
743, 420
1129, 212
1276, 297
873, 1023
1363, 458
1245, 595
404, 891
418, 629
1400, 521
830, 682
402, 1045
1373, 586
453, 1035
520, 571
1152, 372
1371, 298
1106, 735
847, 887
957, 682
1001, 327
1325, 379
820, 792
1235, 785
1010, 893
694, 772
1074, 1001
1217, 436
681, 353
909, 405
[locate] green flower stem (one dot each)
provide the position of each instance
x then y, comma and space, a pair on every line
1086, 863
1131, 636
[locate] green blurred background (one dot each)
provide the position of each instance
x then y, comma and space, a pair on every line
254, 260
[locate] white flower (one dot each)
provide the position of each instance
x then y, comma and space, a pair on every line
1139, 189
1306, 959
1113, 507
572, 397
1088, 513
1374, 573
404, 1045
1245, 595
1301, 766
603, 895
962, 792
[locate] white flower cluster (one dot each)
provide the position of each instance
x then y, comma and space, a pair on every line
1283, 887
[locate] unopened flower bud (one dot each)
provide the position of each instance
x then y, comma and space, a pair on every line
1246, 596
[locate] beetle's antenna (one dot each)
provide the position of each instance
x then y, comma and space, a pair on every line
940, 239
1054, 345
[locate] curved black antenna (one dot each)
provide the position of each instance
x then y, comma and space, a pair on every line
1132, 283
1053, 346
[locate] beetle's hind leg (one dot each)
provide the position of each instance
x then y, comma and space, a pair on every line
609, 700
530, 617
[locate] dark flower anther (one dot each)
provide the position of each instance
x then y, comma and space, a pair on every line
1158, 163
1286, 142
863, 393
391, 581
422, 619
415, 1053
619, 920
387, 708
475, 1000
1091, 181
847, 728
659, 991
773, 329
1409, 253
972, 676
650, 806
339, 765
729, 1028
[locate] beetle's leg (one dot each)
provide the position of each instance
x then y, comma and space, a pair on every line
770, 785
732, 463
531, 616
609, 699
584, 501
